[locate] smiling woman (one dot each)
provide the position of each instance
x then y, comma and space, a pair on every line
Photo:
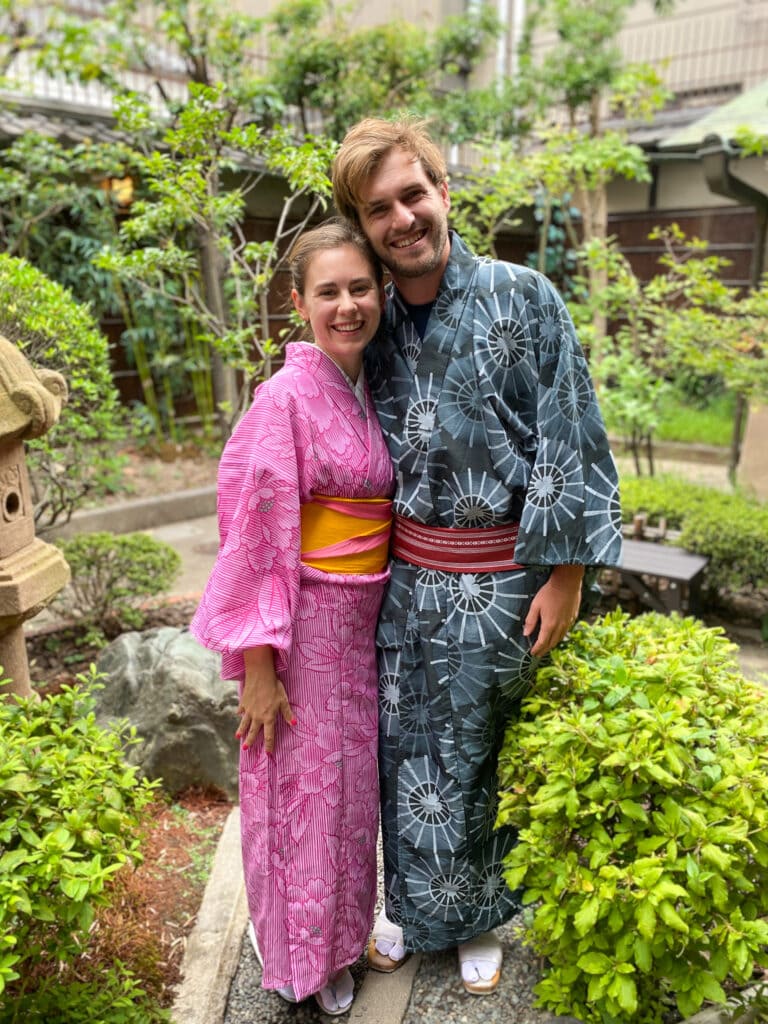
304, 519
341, 298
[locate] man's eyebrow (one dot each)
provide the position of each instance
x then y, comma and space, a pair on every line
374, 203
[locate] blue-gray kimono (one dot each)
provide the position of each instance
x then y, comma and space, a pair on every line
492, 419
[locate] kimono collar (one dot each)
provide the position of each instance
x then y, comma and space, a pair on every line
318, 363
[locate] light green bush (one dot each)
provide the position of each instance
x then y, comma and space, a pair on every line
730, 529
668, 497
638, 778
70, 816
113, 575
77, 457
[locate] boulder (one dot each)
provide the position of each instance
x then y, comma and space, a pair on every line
168, 686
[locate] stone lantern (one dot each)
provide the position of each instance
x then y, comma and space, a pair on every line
31, 571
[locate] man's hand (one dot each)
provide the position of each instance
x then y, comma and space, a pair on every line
262, 700
554, 608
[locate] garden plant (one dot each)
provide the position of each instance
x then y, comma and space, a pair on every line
637, 776
113, 575
731, 530
70, 817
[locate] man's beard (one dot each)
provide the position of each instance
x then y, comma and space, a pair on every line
426, 264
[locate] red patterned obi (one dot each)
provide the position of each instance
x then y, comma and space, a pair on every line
450, 549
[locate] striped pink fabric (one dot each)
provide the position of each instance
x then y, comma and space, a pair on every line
310, 814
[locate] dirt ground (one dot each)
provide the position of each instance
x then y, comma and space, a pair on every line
149, 472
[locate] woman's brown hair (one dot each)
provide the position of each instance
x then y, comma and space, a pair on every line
330, 235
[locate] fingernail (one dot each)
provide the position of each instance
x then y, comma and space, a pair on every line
293, 721
244, 746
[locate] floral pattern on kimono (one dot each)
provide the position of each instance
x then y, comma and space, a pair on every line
310, 813
492, 419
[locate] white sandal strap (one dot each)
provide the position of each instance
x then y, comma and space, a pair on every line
480, 958
388, 937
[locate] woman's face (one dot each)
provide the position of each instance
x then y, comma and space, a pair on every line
342, 303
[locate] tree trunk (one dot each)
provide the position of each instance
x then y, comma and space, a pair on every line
223, 376
739, 416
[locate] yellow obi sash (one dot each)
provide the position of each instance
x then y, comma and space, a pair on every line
346, 534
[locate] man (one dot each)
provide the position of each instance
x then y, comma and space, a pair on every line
506, 491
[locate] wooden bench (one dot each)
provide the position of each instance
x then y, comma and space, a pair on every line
666, 578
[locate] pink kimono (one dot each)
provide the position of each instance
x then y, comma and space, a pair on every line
310, 814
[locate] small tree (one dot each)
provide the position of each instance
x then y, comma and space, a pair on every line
335, 74
185, 242
683, 319
199, 150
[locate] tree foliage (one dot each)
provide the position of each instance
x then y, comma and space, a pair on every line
77, 457
327, 68
202, 138
684, 319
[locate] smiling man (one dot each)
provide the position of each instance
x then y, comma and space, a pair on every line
506, 490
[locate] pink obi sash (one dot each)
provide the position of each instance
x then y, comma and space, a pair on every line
485, 549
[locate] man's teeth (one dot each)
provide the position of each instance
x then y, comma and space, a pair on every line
405, 242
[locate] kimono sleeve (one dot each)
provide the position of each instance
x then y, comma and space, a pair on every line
571, 513
251, 596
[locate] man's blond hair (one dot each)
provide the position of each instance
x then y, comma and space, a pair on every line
364, 147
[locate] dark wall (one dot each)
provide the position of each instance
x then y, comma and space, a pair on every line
730, 231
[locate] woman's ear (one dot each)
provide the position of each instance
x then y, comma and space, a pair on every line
299, 305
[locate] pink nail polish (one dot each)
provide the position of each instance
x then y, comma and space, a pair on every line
293, 721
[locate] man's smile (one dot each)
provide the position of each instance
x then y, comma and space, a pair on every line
411, 239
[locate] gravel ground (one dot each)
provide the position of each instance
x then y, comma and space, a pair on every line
437, 996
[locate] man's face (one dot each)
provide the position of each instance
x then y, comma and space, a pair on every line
405, 218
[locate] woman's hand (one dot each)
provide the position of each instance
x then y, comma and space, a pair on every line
554, 608
263, 699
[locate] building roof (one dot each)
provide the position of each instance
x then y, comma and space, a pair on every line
67, 122
749, 110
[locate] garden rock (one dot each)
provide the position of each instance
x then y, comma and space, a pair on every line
168, 686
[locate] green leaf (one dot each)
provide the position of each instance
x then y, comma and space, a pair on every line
594, 963
586, 916
669, 916
633, 810
646, 919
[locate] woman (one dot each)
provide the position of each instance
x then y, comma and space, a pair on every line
304, 517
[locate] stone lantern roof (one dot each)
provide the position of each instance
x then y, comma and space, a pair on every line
30, 400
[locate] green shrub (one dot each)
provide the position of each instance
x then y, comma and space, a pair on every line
730, 529
70, 813
638, 778
77, 457
116, 998
668, 497
113, 574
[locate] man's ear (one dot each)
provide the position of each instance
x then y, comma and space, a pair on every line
445, 194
